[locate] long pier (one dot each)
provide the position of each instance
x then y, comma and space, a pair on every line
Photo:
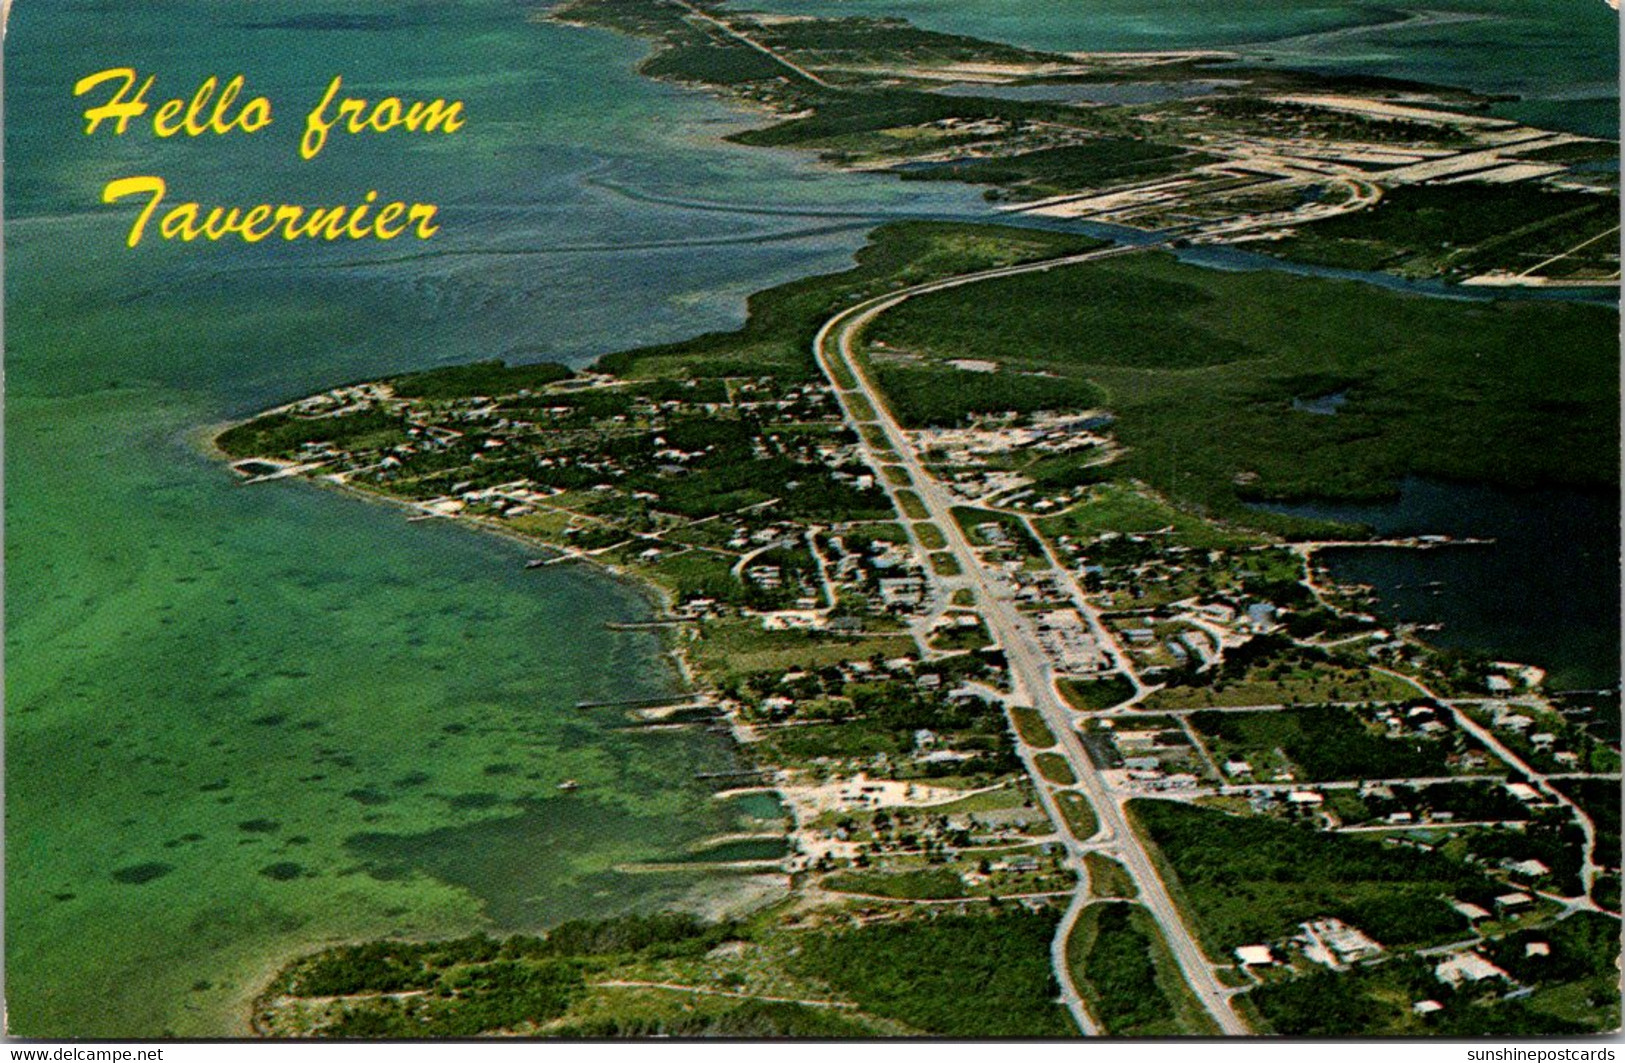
1411, 542
664, 701
693, 714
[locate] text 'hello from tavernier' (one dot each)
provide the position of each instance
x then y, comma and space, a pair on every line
223, 110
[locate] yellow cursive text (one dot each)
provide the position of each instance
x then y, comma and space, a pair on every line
190, 221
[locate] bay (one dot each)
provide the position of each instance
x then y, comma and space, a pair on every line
1545, 591
242, 722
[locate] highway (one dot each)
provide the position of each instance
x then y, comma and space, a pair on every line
1030, 672
751, 42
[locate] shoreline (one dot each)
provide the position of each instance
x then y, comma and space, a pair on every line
658, 598
687, 678
690, 682
653, 592
304, 571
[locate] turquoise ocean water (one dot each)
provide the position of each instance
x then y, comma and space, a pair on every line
240, 722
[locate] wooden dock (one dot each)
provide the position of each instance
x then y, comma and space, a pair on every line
665, 701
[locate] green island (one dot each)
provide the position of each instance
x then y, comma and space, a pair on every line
966, 595
1353, 171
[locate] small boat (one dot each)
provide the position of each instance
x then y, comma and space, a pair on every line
568, 785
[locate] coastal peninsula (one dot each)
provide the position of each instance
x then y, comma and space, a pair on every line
1002, 684
1350, 171
1056, 708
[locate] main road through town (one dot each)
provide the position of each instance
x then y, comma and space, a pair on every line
1031, 673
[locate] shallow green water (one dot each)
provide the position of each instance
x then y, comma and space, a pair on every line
213, 726
241, 721
244, 721
744, 849
758, 806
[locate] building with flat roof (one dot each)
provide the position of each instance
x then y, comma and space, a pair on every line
1466, 967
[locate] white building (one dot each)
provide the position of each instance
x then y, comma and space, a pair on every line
1463, 967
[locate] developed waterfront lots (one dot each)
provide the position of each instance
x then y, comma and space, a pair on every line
1011, 685
397, 696
963, 546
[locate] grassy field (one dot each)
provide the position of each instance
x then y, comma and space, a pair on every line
1514, 392
1055, 768
843, 376
736, 647
1080, 816
876, 438
1128, 978
1108, 878
1014, 796
860, 407
911, 505
1030, 725
1133, 509
925, 884
1095, 695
